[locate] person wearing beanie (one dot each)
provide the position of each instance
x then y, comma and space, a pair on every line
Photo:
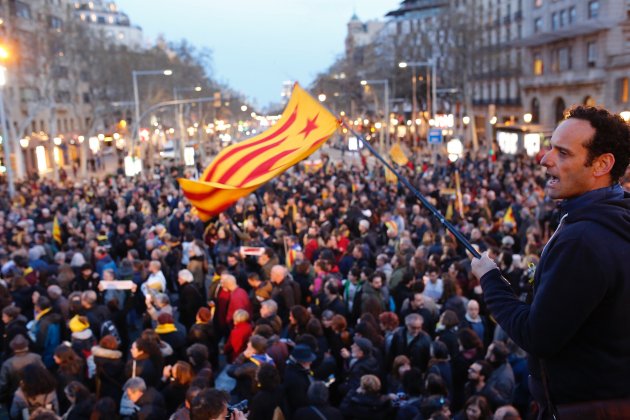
190, 298
9, 373
82, 338
202, 332
109, 366
169, 332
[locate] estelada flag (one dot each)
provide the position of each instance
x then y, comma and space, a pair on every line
509, 217
397, 155
56, 231
243, 167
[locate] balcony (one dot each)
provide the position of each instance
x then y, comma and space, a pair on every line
566, 78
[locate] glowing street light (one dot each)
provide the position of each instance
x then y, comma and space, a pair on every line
321, 97
527, 118
625, 115
466, 120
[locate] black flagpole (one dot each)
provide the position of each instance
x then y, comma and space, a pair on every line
461, 238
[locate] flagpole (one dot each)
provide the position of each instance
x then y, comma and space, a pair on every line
461, 238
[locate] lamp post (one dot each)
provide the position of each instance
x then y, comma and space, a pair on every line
135, 74
385, 83
5, 134
431, 99
180, 117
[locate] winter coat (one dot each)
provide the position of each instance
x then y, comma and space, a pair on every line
297, 379
110, 372
356, 406
237, 341
190, 300
10, 373
418, 349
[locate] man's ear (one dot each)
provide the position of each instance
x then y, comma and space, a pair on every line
603, 164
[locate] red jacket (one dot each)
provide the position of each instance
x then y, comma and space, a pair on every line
239, 299
237, 341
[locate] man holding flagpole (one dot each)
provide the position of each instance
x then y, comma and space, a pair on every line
576, 329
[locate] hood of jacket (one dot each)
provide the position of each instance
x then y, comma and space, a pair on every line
99, 351
611, 213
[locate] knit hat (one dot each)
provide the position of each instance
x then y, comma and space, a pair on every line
165, 319
204, 314
78, 323
364, 344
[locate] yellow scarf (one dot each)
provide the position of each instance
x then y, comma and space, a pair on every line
165, 328
42, 313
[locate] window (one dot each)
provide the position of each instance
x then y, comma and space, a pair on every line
591, 54
29, 95
554, 21
563, 17
559, 106
62, 96
593, 9
538, 25
535, 110
23, 10
564, 59
572, 14
86, 97
623, 90
538, 64
54, 22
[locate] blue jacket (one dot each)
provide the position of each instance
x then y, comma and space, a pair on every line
578, 322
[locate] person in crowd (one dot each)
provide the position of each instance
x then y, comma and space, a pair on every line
366, 401
46, 330
319, 407
176, 380
476, 408
148, 402
500, 383
298, 377
38, 388
237, 340
81, 401
109, 368
268, 403
189, 297
411, 341
360, 361
12, 367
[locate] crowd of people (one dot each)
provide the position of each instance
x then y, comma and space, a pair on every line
328, 294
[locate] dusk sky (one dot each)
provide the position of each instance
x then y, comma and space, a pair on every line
257, 45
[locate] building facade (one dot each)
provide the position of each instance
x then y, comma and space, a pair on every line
575, 52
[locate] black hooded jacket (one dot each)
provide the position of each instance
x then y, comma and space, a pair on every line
577, 323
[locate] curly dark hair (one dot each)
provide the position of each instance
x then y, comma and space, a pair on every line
612, 135
36, 380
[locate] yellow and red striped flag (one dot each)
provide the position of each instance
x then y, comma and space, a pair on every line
241, 168
56, 231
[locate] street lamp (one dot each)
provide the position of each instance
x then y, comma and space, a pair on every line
431, 100
179, 112
134, 75
527, 118
625, 115
385, 83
